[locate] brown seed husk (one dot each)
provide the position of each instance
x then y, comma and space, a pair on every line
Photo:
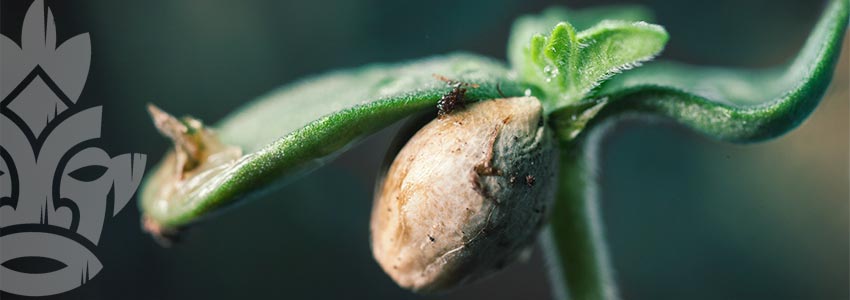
451, 209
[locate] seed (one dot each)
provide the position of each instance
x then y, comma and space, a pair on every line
453, 182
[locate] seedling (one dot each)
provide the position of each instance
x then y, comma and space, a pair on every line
581, 69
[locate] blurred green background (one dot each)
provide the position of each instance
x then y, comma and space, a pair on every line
686, 217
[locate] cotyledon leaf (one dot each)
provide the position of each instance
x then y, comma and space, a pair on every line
300, 126
729, 104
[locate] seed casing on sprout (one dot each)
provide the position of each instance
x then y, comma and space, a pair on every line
466, 195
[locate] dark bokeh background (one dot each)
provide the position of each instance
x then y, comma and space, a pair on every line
686, 217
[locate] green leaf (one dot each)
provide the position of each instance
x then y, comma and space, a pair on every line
735, 105
567, 65
526, 27
301, 126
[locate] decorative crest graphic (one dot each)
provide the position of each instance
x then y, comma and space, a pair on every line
55, 184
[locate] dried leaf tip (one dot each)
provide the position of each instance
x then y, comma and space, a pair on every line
197, 157
185, 141
193, 142
165, 237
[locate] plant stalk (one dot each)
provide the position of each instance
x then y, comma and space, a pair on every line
574, 243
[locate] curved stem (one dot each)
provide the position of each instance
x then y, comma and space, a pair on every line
574, 243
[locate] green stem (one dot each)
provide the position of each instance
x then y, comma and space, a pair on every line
574, 243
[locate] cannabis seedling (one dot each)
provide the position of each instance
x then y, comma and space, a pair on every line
570, 73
